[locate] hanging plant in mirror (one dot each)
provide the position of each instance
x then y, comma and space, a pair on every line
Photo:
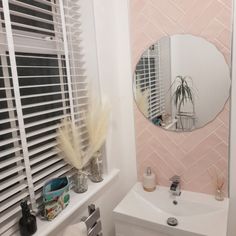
172, 81
183, 96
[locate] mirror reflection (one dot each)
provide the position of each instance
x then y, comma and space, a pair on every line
181, 83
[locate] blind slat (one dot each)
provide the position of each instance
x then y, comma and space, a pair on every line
8, 131
11, 181
9, 151
7, 109
10, 225
9, 141
44, 121
34, 8
42, 148
57, 172
4, 121
42, 157
42, 95
46, 112
42, 130
9, 212
12, 191
7, 162
45, 164
10, 172
13, 200
48, 171
44, 103
43, 139
31, 17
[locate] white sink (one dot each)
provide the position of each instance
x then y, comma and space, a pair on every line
188, 204
197, 214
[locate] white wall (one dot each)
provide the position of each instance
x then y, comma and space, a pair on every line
232, 144
111, 21
196, 57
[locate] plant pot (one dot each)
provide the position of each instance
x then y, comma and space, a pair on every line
80, 182
96, 168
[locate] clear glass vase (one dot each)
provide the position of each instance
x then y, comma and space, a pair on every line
80, 182
96, 168
219, 196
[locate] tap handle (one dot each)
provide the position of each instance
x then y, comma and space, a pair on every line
174, 186
175, 178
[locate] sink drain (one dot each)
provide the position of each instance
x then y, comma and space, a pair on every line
172, 221
175, 202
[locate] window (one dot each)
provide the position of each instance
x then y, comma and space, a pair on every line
42, 80
148, 77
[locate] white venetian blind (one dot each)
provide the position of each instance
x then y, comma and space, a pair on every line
77, 71
148, 77
13, 183
41, 81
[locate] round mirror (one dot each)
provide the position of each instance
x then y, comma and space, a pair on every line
181, 83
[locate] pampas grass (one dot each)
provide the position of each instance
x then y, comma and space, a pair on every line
69, 140
142, 100
218, 179
69, 143
96, 120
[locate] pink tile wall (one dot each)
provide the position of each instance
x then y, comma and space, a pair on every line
199, 155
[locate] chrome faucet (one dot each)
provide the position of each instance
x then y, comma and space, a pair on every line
175, 185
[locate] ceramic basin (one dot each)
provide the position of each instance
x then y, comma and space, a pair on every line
197, 213
187, 204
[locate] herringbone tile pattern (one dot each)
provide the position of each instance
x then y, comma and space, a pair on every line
196, 156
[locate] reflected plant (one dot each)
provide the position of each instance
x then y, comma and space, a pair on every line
142, 100
182, 94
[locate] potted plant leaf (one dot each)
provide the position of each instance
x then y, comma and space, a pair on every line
183, 94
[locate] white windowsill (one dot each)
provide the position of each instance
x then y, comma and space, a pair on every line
76, 201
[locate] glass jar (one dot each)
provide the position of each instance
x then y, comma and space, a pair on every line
219, 196
80, 182
96, 168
